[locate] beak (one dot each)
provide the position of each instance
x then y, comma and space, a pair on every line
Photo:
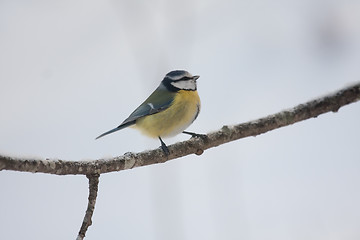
195, 77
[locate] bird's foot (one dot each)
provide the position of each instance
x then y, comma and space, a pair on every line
164, 147
202, 136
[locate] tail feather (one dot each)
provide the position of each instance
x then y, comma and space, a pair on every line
116, 129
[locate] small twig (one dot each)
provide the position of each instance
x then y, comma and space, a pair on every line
93, 189
329, 103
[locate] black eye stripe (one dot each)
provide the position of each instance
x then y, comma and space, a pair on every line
183, 79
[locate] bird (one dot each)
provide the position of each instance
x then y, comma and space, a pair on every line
168, 111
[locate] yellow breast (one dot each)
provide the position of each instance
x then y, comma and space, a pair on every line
174, 119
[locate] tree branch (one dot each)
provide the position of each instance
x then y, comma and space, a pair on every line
93, 189
311, 109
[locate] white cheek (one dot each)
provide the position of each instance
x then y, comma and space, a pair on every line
189, 85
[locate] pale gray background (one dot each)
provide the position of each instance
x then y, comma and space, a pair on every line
70, 70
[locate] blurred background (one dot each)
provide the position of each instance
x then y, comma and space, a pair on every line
70, 70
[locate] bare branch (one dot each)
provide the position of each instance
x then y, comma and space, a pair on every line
311, 109
93, 189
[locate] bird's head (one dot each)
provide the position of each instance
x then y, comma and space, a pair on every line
180, 80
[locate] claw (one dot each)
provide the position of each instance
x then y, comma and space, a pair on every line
202, 136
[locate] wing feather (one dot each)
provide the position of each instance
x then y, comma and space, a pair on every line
158, 101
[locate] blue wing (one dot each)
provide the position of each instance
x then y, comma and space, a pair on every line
158, 101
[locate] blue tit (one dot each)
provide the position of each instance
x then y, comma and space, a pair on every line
168, 111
